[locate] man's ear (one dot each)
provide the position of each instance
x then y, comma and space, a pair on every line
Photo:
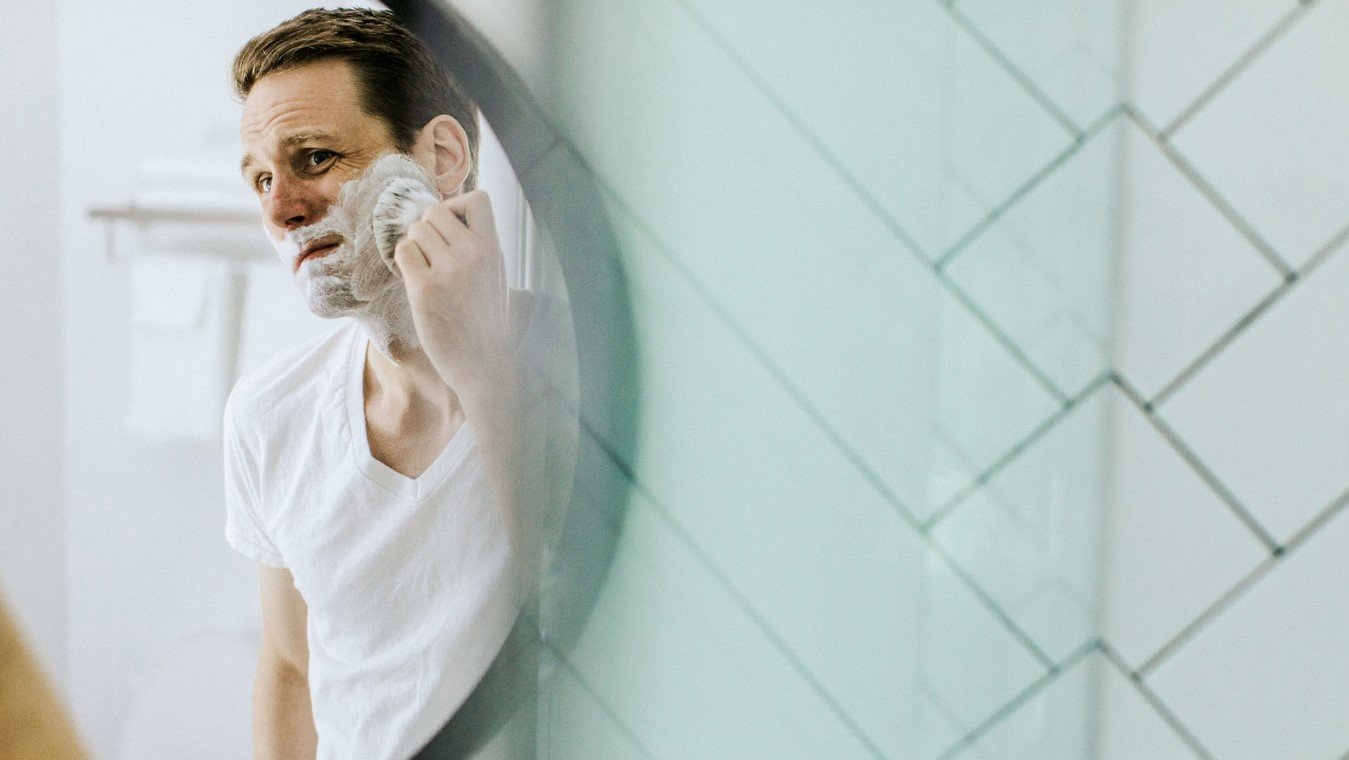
442, 148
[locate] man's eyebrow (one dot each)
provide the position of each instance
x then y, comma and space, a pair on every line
289, 141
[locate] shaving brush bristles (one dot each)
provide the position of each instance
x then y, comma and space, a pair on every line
401, 204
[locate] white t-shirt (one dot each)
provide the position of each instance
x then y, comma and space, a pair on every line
408, 581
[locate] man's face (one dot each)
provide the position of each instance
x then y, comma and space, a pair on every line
303, 135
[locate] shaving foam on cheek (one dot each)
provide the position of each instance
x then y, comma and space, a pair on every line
387, 318
360, 278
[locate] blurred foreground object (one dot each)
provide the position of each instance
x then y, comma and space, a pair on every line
33, 724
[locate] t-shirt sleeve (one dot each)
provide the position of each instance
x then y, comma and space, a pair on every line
243, 526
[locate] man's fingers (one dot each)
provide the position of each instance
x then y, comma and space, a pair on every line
477, 210
471, 211
410, 258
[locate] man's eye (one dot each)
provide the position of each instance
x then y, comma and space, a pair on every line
319, 157
263, 184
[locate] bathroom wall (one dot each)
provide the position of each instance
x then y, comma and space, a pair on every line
161, 616
32, 507
869, 250
1226, 605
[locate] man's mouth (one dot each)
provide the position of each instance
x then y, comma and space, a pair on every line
318, 248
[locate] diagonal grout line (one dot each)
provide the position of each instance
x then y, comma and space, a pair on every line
820, 421
806, 407
1280, 554
991, 604
1014, 71
1030, 691
703, 558
1208, 615
1201, 469
1012, 454
789, 654
1160, 707
760, 355
801, 128
1212, 351
1220, 203
855, 185
601, 703
1326, 250
1003, 338
1326, 515
1079, 141
1236, 68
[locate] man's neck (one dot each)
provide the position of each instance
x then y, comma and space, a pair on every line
410, 386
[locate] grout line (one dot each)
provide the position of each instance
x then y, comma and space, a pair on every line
1212, 351
1079, 141
1209, 614
1015, 72
1026, 694
1003, 338
855, 185
1247, 581
1235, 69
1198, 466
1327, 249
834, 162
815, 416
787, 653
1262, 246
1326, 514
601, 703
1155, 701
758, 353
992, 605
1012, 454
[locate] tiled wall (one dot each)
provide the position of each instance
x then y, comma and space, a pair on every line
991, 385
869, 248
1226, 604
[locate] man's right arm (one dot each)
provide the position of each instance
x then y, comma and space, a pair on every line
283, 720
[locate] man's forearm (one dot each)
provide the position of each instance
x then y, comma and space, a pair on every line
283, 720
506, 410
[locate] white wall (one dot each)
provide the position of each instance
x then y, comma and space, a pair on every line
32, 519
152, 587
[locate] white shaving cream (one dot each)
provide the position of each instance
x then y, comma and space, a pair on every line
356, 279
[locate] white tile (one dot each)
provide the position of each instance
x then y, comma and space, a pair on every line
1186, 275
576, 727
1129, 727
748, 210
1178, 49
1277, 152
1269, 677
1031, 537
895, 90
799, 530
1268, 414
686, 670
1173, 546
1053, 724
1042, 271
971, 662
1070, 49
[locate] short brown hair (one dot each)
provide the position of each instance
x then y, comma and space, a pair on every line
401, 82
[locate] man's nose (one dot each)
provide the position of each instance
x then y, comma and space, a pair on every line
292, 204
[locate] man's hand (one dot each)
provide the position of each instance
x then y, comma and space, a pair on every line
451, 263
452, 267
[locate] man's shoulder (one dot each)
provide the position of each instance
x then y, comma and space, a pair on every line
290, 375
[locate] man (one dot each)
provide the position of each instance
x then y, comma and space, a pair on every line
387, 478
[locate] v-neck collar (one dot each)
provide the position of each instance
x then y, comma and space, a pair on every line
411, 488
